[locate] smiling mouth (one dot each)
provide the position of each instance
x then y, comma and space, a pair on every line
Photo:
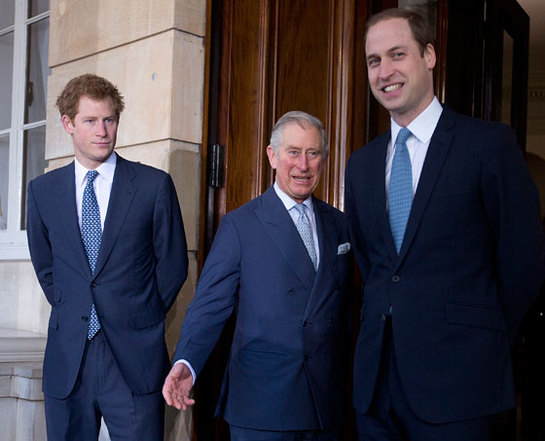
392, 87
302, 179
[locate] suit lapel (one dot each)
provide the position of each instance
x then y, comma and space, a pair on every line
327, 239
121, 196
433, 164
282, 230
379, 200
68, 216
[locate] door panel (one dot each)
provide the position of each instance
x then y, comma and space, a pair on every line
273, 56
280, 55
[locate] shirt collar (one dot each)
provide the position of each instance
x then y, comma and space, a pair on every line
106, 169
423, 126
288, 202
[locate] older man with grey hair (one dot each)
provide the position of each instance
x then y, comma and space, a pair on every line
282, 262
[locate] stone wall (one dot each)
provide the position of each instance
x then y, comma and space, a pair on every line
21, 399
154, 52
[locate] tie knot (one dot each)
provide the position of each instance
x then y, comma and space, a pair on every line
91, 176
300, 208
403, 135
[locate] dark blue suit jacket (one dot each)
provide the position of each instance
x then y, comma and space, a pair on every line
141, 266
470, 265
287, 366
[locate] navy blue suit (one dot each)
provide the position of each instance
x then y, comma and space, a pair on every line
141, 267
470, 264
287, 366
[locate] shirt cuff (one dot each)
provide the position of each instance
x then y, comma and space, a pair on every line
188, 364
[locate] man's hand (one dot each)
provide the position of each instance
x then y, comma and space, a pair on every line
178, 384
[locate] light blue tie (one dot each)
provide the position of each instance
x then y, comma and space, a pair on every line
91, 232
400, 194
305, 230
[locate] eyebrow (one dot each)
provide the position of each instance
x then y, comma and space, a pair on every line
392, 49
97, 117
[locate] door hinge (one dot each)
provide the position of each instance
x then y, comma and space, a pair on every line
216, 165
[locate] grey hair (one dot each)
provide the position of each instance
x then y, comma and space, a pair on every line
304, 120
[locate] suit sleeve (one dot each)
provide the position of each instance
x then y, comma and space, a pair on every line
214, 299
39, 246
169, 244
511, 202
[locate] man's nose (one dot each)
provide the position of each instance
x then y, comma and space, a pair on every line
302, 162
385, 69
101, 129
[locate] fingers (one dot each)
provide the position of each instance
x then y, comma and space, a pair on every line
177, 388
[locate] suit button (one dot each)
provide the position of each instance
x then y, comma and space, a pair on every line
396, 278
291, 291
84, 318
92, 284
383, 317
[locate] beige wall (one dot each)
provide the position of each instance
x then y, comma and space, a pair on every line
154, 52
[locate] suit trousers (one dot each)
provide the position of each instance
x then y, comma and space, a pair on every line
101, 391
245, 434
390, 417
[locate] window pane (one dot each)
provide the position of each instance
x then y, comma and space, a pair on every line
7, 17
4, 180
6, 79
34, 160
38, 37
37, 7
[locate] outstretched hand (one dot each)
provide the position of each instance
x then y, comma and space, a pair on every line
177, 387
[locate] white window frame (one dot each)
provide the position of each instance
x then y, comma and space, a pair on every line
13, 239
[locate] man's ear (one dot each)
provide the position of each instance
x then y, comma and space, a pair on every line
273, 160
67, 124
429, 55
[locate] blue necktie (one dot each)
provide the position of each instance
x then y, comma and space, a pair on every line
91, 232
400, 194
305, 230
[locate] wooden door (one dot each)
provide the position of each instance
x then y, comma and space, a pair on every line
269, 57
487, 68
275, 56
487, 77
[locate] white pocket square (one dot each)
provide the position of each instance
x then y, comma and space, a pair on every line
343, 248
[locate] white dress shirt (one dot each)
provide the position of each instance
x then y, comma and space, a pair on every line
102, 185
290, 204
422, 128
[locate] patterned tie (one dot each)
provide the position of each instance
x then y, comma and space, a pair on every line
401, 188
305, 230
90, 233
